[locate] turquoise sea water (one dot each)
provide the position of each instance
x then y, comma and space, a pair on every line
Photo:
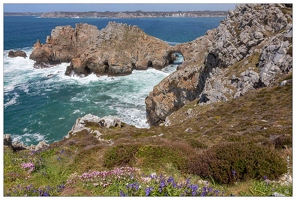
39, 108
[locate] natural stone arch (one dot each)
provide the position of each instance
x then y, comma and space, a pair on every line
171, 56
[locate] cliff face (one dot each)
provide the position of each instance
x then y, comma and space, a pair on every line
114, 50
248, 50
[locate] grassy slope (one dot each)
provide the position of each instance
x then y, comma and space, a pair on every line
258, 117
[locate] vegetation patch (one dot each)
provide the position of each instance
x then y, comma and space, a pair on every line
232, 162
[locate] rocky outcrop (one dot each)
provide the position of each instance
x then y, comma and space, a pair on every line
18, 53
83, 123
17, 146
114, 50
248, 49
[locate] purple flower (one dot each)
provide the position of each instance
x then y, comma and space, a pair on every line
210, 190
148, 190
159, 190
41, 193
233, 172
162, 183
171, 180
264, 177
194, 187
174, 185
121, 193
188, 181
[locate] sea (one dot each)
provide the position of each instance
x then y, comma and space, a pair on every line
38, 107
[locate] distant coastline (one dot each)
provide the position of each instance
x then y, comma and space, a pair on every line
127, 14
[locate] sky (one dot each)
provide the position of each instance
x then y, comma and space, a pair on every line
125, 6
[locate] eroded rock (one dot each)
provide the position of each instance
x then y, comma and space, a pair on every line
17, 53
247, 32
114, 50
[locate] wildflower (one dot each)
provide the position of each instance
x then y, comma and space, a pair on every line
264, 177
121, 193
41, 193
95, 184
194, 188
29, 166
188, 182
203, 194
210, 190
148, 190
171, 180
233, 172
160, 190
162, 183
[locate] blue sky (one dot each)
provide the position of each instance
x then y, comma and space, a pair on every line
46, 7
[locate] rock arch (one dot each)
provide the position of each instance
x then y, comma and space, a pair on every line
171, 57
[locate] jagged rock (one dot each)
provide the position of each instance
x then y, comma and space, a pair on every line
275, 58
17, 146
17, 53
240, 36
286, 82
89, 119
114, 50
41, 146
7, 140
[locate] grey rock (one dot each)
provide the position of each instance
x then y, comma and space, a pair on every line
188, 130
276, 194
41, 146
7, 140
258, 35
83, 122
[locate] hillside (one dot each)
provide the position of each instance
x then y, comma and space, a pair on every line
222, 125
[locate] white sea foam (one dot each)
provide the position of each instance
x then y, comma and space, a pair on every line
122, 96
27, 137
12, 100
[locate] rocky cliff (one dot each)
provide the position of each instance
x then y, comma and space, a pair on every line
114, 50
248, 50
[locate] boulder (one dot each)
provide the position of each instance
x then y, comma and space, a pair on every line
83, 123
18, 53
7, 140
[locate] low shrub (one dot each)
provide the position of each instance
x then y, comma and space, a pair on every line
283, 141
231, 162
120, 155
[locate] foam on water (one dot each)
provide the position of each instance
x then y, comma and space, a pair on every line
45, 102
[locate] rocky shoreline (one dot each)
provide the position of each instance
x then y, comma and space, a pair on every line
248, 50
133, 14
